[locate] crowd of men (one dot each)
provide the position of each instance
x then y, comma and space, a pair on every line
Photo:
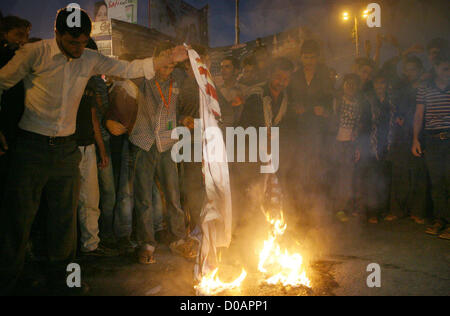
86, 142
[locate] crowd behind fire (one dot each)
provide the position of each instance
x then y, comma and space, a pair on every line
82, 149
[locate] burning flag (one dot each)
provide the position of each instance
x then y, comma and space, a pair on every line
216, 214
211, 284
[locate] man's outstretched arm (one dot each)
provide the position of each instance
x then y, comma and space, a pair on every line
139, 68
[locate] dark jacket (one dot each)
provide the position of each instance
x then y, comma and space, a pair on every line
122, 108
320, 92
12, 100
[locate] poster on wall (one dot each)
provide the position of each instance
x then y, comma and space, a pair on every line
124, 10
101, 28
180, 20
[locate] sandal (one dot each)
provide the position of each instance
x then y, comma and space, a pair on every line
418, 220
145, 255
446, 234
373, 220
435, 230
390, 218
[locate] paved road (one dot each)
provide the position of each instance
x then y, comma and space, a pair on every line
412, 263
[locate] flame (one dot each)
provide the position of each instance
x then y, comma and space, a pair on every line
211, 284
284, 268
279, 267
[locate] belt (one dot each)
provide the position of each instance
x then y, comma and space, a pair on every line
51, 141
441, 135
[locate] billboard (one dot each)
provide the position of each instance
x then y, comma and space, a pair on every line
180, 20
123, 10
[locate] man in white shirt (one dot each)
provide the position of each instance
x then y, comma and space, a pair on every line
46, 157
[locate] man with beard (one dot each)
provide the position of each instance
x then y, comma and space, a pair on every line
268, 106
311, 91
233, 92
46, 157
409, 175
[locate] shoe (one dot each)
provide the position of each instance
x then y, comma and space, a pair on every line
418, 220
101, 251
391, 218
445, 234
373, 220
145, 254
435, 229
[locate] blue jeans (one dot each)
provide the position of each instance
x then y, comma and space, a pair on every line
88, 202
107, 196
147, 165
123, 221
125, 197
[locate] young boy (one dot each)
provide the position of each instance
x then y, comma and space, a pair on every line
150, 132
375, 140
347, 111
88, 135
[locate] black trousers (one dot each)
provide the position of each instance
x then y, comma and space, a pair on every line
37, 166
437, 156
409, 183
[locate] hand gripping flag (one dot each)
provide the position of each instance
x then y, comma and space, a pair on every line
216, 215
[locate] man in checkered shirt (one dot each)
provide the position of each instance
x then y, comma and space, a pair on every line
151, 143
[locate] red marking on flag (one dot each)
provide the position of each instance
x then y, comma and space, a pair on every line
203, 71
217, 115
211, 91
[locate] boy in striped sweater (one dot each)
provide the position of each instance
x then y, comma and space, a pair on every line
433, 111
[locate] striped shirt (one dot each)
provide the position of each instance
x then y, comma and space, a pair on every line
437, 106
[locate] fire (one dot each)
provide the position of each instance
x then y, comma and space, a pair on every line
211, 284
284, 268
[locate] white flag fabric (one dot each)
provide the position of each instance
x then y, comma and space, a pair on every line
216, 215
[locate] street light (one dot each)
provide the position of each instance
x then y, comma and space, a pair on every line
346, 16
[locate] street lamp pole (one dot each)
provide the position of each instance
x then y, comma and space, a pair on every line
356, 37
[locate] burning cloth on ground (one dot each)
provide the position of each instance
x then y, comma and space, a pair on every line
216, 215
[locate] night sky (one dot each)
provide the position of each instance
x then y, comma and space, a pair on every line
42, 14
411, 21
